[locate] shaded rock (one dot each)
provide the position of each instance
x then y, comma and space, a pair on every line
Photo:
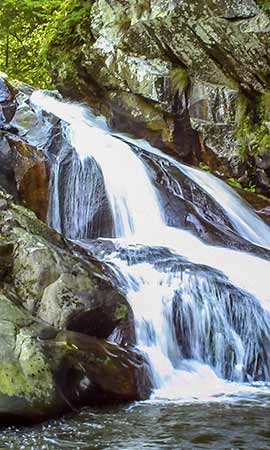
186, 205
91, 371
45, 373
259, 203
7, 101
6, 258
30, 175
23, 167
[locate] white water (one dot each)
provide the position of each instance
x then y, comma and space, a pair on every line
245, 220
138, 219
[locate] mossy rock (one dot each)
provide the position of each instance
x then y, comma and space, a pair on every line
45, 288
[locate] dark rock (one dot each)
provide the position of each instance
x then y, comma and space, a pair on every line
187, 206
6, 258
7, 101
24, 173
106, 373
263, 178
263, 161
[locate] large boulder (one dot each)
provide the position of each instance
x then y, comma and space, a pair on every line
56, 310
45, 372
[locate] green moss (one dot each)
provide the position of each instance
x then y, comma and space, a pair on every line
179, 80
251, 129
120, 312
234, 183
237, 185
205, 167
264, 5
29, 376
12, 380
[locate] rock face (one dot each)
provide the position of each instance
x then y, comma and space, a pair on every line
174, 72
24, 169
48, 298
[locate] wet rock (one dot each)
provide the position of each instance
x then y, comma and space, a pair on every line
23, 167
186, 205
7, 101
259, 203
29, 173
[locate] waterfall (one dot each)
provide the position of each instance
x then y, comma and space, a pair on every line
201, 312
245, 220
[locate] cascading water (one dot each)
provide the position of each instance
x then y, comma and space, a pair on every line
245, 221
201, 313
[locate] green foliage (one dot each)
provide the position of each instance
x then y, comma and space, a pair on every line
264, 106
179, 79
205, 167
264, 5
237, 185
234, 183
23, 26
251, 187
31, 29
253, 135
67, 25
241, 108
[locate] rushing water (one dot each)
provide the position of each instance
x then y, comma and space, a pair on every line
201, 312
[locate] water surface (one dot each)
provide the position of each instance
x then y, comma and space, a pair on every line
219, 426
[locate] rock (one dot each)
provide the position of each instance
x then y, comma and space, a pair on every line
29, 172
263, 161
27, 388
59, 288
187, 206
133, 57
23, 167
45, 372
6, 258
260, 204
89, 371
48, 298
7, 101
263, 178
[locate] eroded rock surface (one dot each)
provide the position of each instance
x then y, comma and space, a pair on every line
174, 73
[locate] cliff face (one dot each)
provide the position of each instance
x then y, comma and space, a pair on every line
183, 74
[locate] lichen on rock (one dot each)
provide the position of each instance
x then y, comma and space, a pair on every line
130, 51
48, 297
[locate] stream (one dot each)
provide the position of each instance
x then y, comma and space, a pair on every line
193, 261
